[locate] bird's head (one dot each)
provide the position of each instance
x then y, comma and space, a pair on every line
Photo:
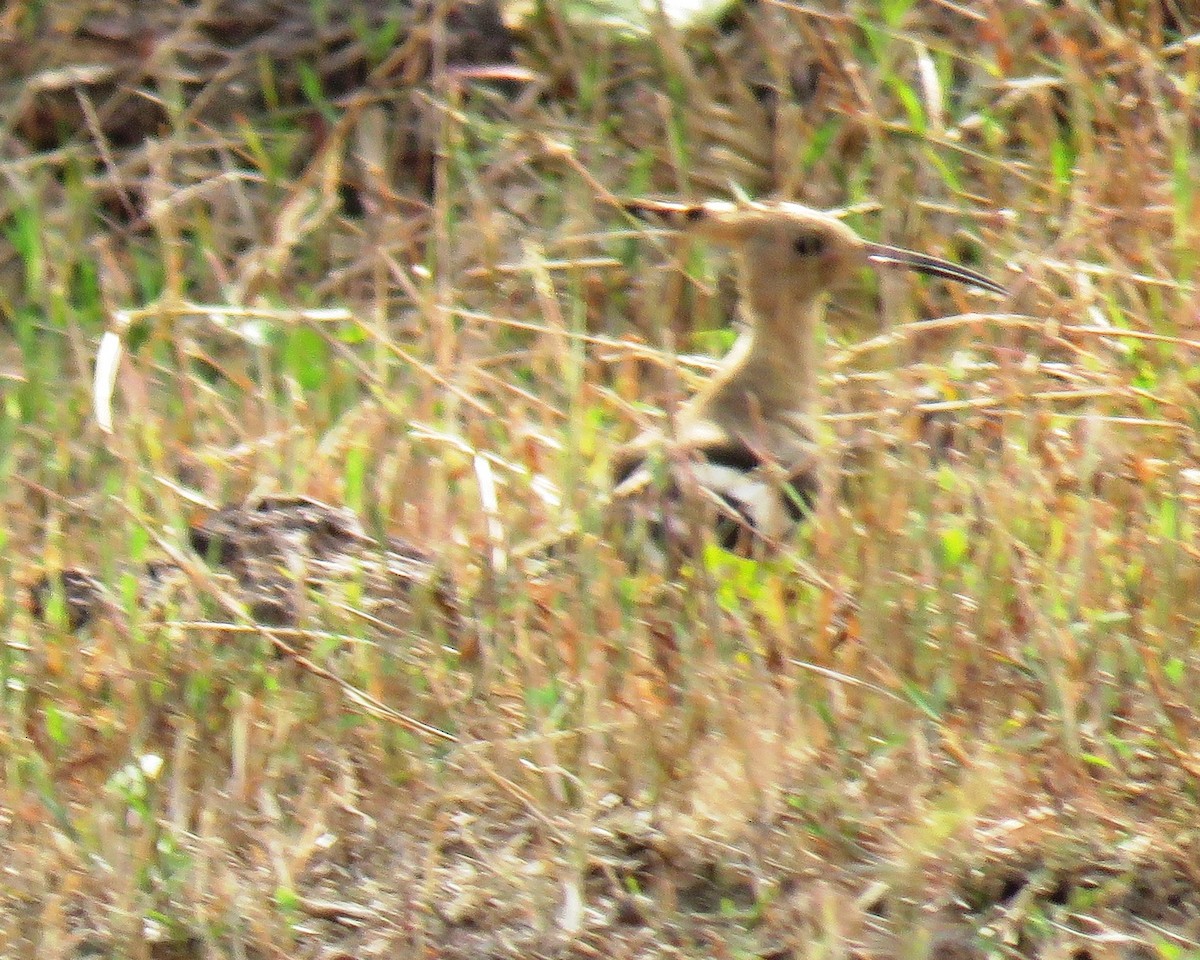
789, 245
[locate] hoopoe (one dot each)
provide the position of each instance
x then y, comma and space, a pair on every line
741, 456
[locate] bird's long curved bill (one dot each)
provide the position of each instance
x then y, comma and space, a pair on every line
885, 256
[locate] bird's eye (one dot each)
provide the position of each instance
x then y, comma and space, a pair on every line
808, 244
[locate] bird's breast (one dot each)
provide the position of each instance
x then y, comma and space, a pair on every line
718, 483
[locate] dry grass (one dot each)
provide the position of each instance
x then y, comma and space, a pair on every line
960, 719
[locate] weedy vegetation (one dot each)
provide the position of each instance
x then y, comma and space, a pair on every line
374, 259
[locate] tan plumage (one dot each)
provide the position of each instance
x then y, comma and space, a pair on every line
741, 456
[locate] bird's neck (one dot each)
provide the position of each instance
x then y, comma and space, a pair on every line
771, 372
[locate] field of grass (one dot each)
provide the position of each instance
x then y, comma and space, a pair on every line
958, 719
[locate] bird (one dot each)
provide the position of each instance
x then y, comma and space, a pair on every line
86, 599
740, 458
82, 596
278, 546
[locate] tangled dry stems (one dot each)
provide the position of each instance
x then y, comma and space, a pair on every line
959, 719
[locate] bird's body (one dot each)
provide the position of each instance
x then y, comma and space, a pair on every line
277, 547
741, 456
745, 463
